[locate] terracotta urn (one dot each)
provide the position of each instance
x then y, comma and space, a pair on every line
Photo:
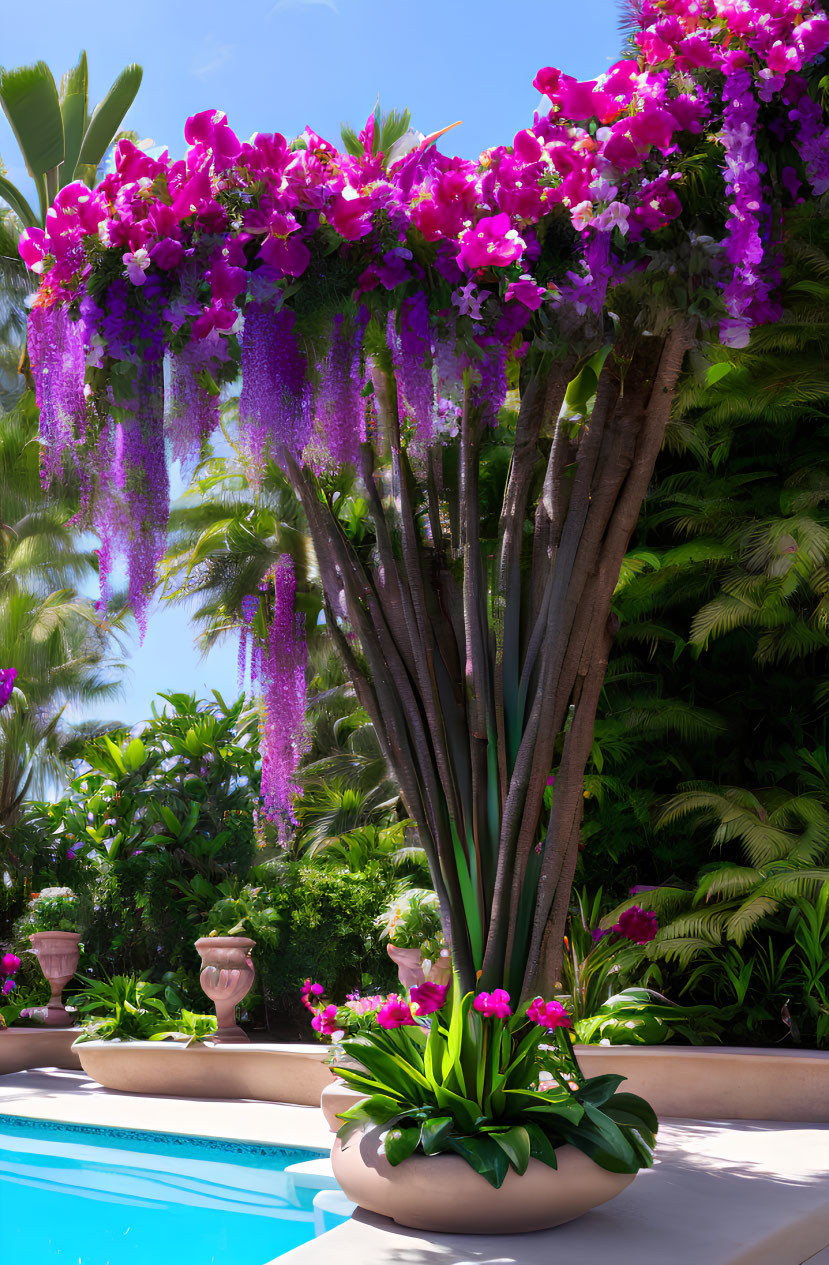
226, 977
58, 953
410, 971
443, 1194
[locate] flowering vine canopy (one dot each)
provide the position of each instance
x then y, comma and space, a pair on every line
299, 265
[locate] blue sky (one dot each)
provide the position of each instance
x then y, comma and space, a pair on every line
279, 65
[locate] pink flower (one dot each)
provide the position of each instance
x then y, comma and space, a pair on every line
310, 990
8, 986
32, 248
396, 1013
548, 1014
492, 241
10, 963
428, 997
638, 925
326, 1022
167, 254
527, 292
210, 128
494, 1005
136, 264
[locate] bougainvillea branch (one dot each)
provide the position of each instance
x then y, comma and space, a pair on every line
465, 369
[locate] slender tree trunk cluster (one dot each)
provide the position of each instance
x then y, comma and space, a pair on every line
482, 669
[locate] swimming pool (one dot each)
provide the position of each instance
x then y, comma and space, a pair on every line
79, 1195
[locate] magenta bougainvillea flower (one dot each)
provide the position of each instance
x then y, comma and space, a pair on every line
491, 242
428, 997
638, 925
494, 1005
10, 964
7, 680
548, 1014
396, 1013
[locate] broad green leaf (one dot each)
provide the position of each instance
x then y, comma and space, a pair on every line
378, 1108
716, 373
30, 102
515, 1144
464, 1111
599, 1089
73, 106
108, 116
541, 1148
170, 820
15, 199
638, 1111
115, 753
400, 1144
485, 1156
434, 1133
134, 755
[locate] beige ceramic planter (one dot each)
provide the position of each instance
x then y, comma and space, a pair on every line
443, 1194
226, 977
269, 1073
717, 1082
58, 953
23, 1048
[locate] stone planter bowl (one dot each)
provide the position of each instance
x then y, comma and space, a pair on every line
443, 1194
226, 978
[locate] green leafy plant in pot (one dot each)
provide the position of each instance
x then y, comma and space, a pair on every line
52, 923
412, 926
464, 1089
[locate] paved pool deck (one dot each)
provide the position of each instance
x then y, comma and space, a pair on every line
720, 1193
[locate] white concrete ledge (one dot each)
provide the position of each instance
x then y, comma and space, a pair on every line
721, 1193
715, 1082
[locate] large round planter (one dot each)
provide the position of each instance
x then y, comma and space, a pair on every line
226, 977
336, 1098
268, 1073
24, 1048
58, 953
443, 1194
719, 1082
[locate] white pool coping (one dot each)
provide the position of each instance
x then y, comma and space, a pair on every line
71, 1097
721, 1192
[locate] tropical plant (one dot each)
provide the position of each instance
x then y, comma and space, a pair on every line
53, 909
465, 1081
59, 138
468, 553
126, 1008
412, 920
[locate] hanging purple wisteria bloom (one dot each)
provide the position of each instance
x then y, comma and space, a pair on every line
58, 359
279, 664
192, 410
411, 351
339, 406
275, 401
132, 504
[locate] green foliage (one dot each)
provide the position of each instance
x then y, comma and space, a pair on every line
58, 139
412, 920
468, 1085
125, 1008
53, 909
328, 932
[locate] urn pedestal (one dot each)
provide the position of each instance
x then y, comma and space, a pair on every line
226, 977
58, 953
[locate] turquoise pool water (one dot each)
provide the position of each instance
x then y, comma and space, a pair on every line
77, 1195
